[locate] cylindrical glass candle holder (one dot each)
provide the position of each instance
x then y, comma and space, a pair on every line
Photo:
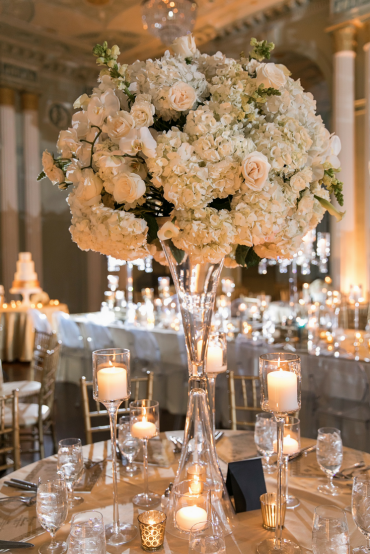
291, 445
190, 507
216, 362
152, 525
111, 386
144, 425
269, 511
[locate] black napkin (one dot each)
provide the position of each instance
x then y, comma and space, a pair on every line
245, 482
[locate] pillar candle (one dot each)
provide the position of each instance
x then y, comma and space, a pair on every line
143, 429
215, 359
282, 391
290, 446
112, 383
190, 515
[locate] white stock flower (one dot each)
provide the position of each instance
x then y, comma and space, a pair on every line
125, 187
52, 172
138, 140
68, 143
89, 187
333, 151
81, 102
81, 123
255, 169
142, 112
182, 97
168, 231
184, 46
270, 75
119, 125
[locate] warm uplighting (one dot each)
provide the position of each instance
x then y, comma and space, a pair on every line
328, 280
39, 305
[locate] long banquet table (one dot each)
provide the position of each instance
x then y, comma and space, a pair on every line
248, 531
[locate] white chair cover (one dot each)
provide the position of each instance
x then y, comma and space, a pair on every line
40, 321
98, 336
145, 344
68, 331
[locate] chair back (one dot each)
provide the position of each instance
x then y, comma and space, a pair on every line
86, 388
98, 336
68, 331
145, 345
40, 321
49, 368
9, 433
248, 393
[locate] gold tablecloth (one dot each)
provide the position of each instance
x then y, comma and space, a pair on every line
18, 333
248, 529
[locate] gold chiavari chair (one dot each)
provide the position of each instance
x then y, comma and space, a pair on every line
9, 432
37, 419
42, 343
250, 395
87, 386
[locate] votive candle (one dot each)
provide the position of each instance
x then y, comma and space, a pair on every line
112, 383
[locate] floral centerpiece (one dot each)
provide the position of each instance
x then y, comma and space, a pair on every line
230, 151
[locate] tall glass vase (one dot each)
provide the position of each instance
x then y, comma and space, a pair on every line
196, 286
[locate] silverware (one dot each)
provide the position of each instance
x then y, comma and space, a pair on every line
15, 544
304, 451
25, 483
28, 500
219, 435
89, 463
177, 446
343, 473
19, 486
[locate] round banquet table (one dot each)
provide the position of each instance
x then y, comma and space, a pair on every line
248, 530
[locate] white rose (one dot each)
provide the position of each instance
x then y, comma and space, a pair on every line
255, 169
270, 75
89, 187
168, 231
184, 46
142, 112
118, 126
53, 172
297, 182
126, 187
181, 96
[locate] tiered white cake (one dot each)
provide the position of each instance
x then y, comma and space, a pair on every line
25, 276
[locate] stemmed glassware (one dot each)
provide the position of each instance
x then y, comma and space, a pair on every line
330, 531
111, 386
206, 537
70, 465
144, 423
129, 446
291, 445
87, 535
216, 363
280, 376
361, 509
329, 454
264, 436
51, 510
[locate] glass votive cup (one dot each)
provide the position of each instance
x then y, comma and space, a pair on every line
152, 525
269, 512
190, 507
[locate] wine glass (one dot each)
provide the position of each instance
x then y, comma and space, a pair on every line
361, 509
206, 537
265, 433
330, 531
70, 464
329, 454
129, 446
87, 535
51, 510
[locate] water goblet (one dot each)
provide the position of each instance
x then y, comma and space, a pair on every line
70, 465
330, 531
129, 446
206, 538
87, 535
51, 510
329, 454
361, 509
264, 435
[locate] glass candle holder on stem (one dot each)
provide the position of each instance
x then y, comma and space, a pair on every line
280, 376
291, 445
191, 506
215, 363
144, 425
111, 386
264, 433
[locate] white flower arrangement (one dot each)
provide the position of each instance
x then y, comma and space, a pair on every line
231, 152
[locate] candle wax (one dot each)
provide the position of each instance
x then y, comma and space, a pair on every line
112, 383
143, 429
282, 389
190, 515
290, 446
214, 362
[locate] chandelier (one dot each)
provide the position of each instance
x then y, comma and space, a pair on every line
168, 19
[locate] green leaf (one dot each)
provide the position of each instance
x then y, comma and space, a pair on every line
241, 254
252, 258
188, 61
152, 227
178, 254
41, 176
222, 203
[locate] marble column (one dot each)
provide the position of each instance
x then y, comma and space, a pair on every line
32, 165
343, 256
8, 188
367, 156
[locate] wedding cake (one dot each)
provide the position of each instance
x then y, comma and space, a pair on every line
25, 276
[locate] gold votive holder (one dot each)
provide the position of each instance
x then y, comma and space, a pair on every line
269, 512
152, 525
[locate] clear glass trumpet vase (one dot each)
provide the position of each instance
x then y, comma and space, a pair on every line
196, 286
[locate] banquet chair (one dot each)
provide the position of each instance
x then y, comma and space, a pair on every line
37, 419
249, 394
98, 336
87, 386
75, 354
40, 321
9, 432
